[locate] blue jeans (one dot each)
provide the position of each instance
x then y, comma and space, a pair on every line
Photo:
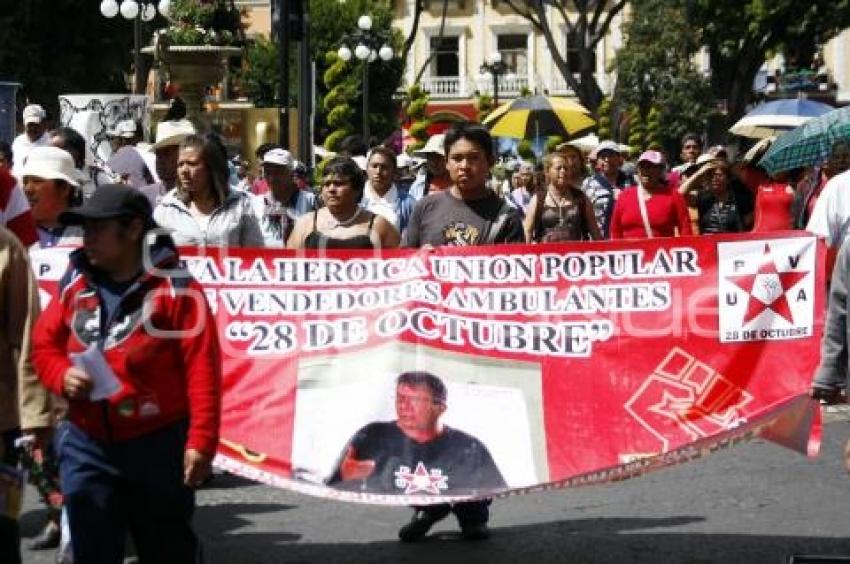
134, 485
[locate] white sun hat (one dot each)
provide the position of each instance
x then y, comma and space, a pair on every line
172, 132
434, 146
51, 163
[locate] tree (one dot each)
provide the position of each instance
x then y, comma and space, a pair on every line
739, 35
603, 121
587, 23
637, 129
335, 102
655, 69
525, 150
653, 129
416, 100
49, 56
484, 105
259, 75
418, 7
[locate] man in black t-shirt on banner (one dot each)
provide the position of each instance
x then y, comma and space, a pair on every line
416, 454
466, 214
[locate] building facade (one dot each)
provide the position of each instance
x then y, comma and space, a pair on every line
449, 66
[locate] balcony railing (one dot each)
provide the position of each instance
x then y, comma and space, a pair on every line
445, 87
509, 85
558, 85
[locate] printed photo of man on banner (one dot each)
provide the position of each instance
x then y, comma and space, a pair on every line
447, 430
381, 455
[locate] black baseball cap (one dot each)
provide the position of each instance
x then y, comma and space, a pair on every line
110, 201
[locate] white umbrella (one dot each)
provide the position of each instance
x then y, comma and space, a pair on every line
772, 118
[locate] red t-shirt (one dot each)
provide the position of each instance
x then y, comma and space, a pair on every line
666, 210
773, 207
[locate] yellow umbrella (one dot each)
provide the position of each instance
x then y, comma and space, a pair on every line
532, 117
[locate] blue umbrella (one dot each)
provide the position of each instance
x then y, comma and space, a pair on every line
773, 118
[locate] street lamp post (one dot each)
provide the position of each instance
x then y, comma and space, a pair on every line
138, 13
370, 46
495, 67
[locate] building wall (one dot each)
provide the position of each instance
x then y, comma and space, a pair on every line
837, 61
259, 16
477, 25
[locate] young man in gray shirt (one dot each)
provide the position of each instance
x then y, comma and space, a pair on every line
467, 213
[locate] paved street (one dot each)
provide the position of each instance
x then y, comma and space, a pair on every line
756, 503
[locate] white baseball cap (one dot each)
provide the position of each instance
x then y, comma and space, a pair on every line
34, 114
172, 132
51, 163
433, 146
403, 160
280, 157
606, 145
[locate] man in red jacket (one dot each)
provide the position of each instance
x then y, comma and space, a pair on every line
144, 400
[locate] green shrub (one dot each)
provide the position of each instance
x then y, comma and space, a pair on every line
525, 149
332, 141
340, 116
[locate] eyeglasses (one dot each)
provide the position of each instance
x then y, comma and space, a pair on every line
414, 400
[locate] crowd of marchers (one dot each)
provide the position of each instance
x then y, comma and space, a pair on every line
86, 452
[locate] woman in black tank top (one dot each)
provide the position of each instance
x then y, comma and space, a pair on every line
342, 223
559, 210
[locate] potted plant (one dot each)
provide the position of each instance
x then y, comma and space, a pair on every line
193, 52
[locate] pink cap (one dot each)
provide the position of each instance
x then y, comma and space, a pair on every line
653, 157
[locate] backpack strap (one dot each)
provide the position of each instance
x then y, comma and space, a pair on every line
495, 227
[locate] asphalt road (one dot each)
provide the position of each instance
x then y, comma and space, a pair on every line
754, 503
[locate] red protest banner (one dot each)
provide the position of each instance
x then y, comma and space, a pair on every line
417, 376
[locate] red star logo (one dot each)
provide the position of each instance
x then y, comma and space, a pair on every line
421, 480
767, 288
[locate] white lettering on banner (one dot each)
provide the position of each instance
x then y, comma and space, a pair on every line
549, 301
265, 338
618, 265
50, 264
254, 302
565, 339
496, 269
295, 271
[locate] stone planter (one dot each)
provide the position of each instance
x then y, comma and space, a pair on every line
194, 68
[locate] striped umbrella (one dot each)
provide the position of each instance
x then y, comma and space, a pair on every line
532, 117
778, 116
809, 144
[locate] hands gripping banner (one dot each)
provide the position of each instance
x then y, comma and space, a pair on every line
421, 377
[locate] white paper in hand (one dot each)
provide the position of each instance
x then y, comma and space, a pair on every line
104, 381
